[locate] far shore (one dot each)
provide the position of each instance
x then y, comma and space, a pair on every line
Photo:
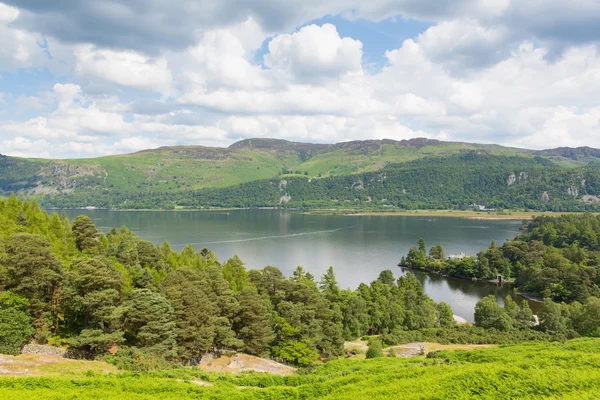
483, 215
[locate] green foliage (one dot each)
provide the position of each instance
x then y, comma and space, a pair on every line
150, 323
374, 350
137, 360
526, 371
15, 324
556, 257
366, 175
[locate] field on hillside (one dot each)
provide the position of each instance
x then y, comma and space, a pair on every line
526, 371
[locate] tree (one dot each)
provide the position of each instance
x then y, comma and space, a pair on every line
86, 235
289, 346
552, 319
511, 308
15, 324
590, 318
329, 286
488, 314
93, 292
445, 316
251, 322
422, 247
416, 259
387, 278
196, 316
150, 322
32, 271
437, 253
220, 293
525, 317
235, 273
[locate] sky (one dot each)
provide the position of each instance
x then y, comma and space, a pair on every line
91, 78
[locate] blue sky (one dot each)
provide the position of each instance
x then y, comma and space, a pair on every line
85, 79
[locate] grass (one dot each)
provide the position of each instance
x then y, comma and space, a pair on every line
491, 215
196, 167
526, 371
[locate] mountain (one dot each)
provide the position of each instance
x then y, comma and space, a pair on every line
212, 176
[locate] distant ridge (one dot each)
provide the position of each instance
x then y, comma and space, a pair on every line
162, 174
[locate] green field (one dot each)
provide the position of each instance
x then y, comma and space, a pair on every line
526, 371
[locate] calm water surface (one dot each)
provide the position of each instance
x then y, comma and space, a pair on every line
358, 247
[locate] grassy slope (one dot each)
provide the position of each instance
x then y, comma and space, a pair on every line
195, 167
526, 371
186, 168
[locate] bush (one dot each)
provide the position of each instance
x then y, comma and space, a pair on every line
134, 359
374, 351
15, 324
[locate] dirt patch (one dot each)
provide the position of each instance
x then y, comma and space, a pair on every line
242, 363
49, 365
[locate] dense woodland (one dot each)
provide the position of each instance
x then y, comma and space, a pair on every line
452, 182
65, 283
555, 257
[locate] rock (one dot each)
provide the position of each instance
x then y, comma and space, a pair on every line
545, 197
512, 178
239, 362
44, 350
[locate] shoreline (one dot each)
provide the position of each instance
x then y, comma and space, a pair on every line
529, 297
473, 215
510, 282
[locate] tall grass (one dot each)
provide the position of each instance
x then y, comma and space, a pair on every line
531, 370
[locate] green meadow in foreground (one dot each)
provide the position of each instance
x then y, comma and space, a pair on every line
569, 370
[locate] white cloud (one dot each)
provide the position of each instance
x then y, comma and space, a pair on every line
486, 71
8, 13
315, 52
125, 68
23, 147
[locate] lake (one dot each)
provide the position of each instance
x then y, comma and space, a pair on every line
358, 247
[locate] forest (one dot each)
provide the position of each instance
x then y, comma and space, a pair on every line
451, 182
147, 309
65, 283
555, 257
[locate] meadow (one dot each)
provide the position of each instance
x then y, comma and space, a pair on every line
569, 370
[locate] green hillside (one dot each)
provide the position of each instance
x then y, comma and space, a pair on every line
196, 176
526, 371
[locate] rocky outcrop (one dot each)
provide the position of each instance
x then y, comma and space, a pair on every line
236, 363
545, 197
512, 178
573, 191
44, 350
358, 185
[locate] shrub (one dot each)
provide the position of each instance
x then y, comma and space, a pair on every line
374, 350
134, 359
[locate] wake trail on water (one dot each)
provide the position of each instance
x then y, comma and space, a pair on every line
269, 237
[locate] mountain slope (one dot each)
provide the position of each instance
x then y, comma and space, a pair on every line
172, 174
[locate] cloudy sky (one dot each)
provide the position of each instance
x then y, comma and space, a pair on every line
88, 78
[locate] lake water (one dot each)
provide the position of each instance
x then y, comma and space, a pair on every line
358, 247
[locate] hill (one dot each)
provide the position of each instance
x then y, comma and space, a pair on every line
527, 371
185, 175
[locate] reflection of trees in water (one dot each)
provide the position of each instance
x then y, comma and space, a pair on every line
472, 288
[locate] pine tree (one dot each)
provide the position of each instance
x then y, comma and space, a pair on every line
86, 235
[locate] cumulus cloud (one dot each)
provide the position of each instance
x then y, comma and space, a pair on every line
315, 52
143, 74
125, 68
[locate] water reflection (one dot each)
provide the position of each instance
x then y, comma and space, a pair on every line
358, 247
463, 294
